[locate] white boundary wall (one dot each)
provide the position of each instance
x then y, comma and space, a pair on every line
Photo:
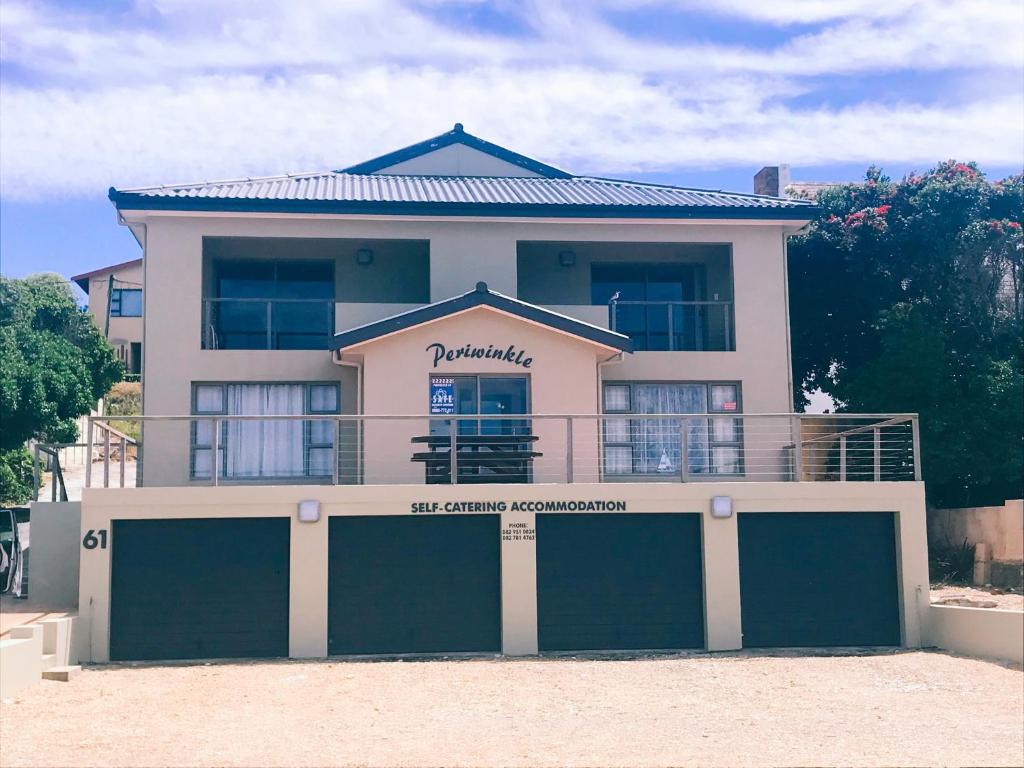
988, 633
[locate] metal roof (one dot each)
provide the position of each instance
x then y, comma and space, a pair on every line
480, 296
340, 192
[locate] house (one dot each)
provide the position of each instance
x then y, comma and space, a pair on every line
115, 304
456, 399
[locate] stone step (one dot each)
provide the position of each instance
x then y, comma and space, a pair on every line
63, 674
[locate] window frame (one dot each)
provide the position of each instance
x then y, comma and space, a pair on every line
632, 417
116, 300
307, 437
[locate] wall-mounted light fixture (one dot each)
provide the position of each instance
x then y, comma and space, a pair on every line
567, 258
721, 506
364, 257
309, 511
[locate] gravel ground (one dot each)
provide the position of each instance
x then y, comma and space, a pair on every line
893, 708
1013, 601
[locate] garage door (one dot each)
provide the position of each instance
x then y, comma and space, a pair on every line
199, 589
414, 584
619, 582
818, 579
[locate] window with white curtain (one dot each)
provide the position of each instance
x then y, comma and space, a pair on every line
653, 446
265, 448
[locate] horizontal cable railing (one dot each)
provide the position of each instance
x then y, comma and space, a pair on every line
514, 448
267, 323
675, 326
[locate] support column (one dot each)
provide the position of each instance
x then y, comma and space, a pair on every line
519, 583
723, 625
307, 591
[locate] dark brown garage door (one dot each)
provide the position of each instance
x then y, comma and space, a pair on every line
619, 582
414, 584
818, 579
199, 589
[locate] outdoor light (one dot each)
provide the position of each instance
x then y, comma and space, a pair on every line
309, 511
721, 506
567, 258
364, 257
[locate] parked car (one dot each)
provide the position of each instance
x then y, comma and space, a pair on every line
11, 554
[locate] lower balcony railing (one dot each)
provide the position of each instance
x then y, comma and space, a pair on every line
267, 323
675, 326
519, 448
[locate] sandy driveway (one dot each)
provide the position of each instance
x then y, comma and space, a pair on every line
907, 708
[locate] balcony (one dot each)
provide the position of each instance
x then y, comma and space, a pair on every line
675, 326
267, 323
521, 448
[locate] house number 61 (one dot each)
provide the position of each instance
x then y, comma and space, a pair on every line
95, 539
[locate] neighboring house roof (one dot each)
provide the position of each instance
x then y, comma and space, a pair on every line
83, 279
809, 190
481, 296
556, 194
456, 136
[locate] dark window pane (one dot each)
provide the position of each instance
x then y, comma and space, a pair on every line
608, 279
299, 324
305, 280
244, 279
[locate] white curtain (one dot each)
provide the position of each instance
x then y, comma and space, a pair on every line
264, 448
657, 442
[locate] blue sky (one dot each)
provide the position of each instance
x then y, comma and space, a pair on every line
694, 92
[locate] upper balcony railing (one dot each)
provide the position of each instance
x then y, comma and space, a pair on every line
516, 448
675, 326
267, 323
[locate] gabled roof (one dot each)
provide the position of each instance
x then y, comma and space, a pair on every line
482, 296
456, 136
83, 279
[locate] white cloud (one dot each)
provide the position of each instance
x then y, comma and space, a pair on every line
180, 90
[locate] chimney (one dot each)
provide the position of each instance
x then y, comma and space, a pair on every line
772, 180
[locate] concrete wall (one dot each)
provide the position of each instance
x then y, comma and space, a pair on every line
462, 252
308, 601
1001, 529
985, 632
56, 544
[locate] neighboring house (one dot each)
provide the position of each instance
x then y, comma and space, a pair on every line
115, 303
455, 399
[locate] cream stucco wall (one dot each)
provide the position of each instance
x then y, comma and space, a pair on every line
309, 555
462, 252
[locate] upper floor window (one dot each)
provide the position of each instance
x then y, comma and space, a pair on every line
662, 306
270, 304
126, 302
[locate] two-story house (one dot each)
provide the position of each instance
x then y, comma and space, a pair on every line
455, 399
115, 305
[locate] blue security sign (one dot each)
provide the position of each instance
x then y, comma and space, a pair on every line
442, 396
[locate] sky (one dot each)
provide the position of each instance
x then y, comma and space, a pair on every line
700, 93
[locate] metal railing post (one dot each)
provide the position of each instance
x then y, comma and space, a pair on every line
216, 452
671, 328
106, 457
453, 431
207, 324
842, 457
88, 451
916, 439
727, 314
798, 450
124, 451
612, 316
878, 453
270, 320
684, 451
568, 450
336, 453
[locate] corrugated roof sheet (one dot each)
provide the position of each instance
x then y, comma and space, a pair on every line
504, 190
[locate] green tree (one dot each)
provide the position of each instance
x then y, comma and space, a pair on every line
907, 296
54, 366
